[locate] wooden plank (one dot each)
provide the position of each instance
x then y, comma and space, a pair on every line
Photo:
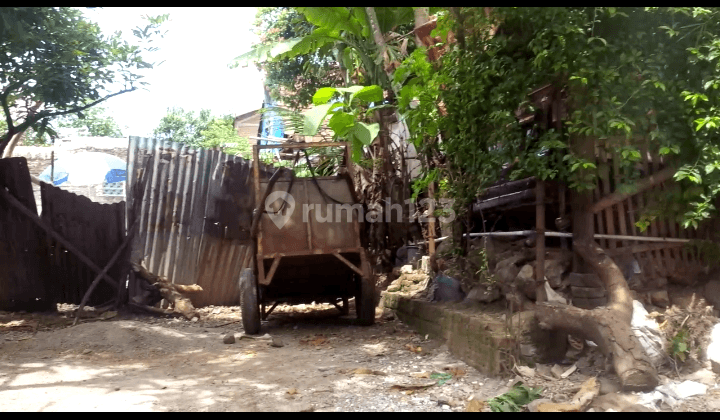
641, 186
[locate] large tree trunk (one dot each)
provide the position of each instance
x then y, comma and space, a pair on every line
609, 327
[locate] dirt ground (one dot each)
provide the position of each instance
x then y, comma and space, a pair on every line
311, 359
145, 363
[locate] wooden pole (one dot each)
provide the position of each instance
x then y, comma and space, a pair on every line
540, 241
431, 223
70, 247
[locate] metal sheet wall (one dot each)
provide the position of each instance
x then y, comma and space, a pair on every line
195, 217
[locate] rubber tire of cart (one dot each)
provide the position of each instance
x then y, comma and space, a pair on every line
365, 300
249, 302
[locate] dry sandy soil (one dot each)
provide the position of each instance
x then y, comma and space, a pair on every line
145, 363
322, 362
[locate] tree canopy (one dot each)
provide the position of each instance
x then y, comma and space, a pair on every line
53, 62
202, 130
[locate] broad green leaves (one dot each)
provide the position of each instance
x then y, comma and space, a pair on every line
344, 115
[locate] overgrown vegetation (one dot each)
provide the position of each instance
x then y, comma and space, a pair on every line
634, 79
687, 329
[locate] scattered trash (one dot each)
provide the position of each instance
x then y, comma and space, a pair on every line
683, 390
513, 400
569, 372
557, 371
292, 391
588, 391
406, 269
446, 289
553, 296
413, 348
671, 394
648, 333
422, 375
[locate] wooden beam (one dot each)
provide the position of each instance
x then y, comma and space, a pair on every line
70, 247
641, 186
540, 241
348, 263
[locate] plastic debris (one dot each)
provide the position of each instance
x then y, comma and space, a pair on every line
648, 333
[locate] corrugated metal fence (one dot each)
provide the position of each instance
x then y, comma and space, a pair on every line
195, 217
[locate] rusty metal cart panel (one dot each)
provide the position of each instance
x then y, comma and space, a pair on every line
316, 253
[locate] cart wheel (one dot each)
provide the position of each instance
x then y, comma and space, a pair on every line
365, 298
249, 302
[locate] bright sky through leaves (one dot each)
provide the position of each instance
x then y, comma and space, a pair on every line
197, 48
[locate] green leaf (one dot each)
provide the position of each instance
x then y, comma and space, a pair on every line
323, 95
366, 133
340, 122
369, 94
314, 118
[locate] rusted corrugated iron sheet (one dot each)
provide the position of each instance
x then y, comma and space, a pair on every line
195, 217
23, 268
97, 230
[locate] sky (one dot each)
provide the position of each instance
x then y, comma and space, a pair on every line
197, 48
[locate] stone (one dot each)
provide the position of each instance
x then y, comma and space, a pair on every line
484, 294
526, 274
229, 339
711, 293
511, 261
276, 342
506, 274
557, 371
660, 298
195, 319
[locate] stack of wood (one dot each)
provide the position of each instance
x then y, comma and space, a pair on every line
173, 293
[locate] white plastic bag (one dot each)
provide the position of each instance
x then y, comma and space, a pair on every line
648, 333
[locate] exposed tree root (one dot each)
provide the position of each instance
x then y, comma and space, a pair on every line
609, 327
